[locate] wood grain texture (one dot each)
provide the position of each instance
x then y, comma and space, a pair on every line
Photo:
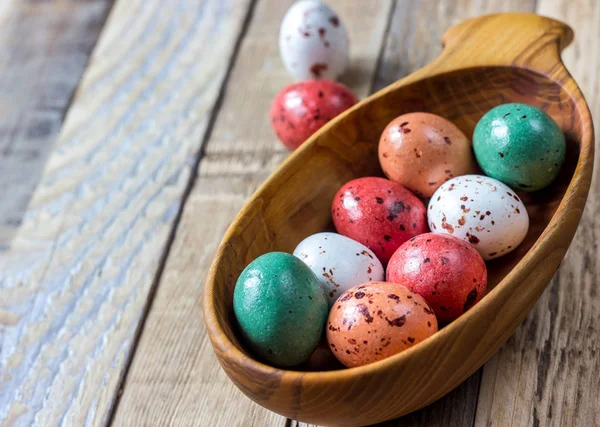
182, 384
413, 42
76, 279
547, 373
456, 409
44, 47
474, 73
417, 27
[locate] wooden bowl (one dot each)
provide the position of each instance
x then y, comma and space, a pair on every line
486, 61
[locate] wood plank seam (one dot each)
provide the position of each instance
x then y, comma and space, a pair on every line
384, 44
190, 185
479, 374
89, 300
243, 129
34, 111
379, 64
73, 94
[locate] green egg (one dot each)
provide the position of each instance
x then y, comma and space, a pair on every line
519, 145
281, 308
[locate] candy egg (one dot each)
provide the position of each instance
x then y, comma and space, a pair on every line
447, 271
280, 308
300, 109
422, 151
313, 42
378, 213
377, 320
322, 359
519, 145
339, 262
482, 211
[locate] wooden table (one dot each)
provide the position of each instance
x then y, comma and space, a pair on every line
129, 140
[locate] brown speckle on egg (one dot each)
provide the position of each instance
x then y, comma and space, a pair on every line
472, 239
318, 68
390, 322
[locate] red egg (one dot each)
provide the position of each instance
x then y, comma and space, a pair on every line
300, 109
378, 213
447, 271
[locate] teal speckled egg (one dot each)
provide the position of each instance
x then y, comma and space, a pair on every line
281, 308
519, 145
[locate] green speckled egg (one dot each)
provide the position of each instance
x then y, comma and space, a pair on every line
281, 308
519, 145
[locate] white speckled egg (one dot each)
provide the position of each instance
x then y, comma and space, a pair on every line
482, 211
313, 42
339, 262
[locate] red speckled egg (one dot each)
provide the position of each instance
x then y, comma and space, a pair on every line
422, 151
448, 272
377, 320
300, 109
378, 213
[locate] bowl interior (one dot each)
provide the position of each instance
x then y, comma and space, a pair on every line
295, 202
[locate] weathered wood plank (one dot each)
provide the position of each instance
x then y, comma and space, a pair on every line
547, 373
77, 276
182, 382
44, 47
414, 41
417, 28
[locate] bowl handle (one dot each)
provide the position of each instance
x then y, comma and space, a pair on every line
524, 40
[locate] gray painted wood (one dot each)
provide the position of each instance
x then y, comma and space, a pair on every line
77, 276
44, 49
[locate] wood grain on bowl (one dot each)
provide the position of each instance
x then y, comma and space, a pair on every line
475, 72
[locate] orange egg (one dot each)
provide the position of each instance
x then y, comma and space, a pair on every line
376, 320
422, 151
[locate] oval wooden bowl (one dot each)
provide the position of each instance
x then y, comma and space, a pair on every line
486, 61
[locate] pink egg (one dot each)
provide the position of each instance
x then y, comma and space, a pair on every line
300, 109
448, 272
378, 213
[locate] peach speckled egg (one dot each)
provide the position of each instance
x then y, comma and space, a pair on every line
422, 151
376, 320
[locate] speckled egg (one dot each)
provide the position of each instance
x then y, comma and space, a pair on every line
322, 359
339, 262
482, 211
300, 109
422, 151
313, 42
445, 270
280, 308
377, 320
520, 145
378, 213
